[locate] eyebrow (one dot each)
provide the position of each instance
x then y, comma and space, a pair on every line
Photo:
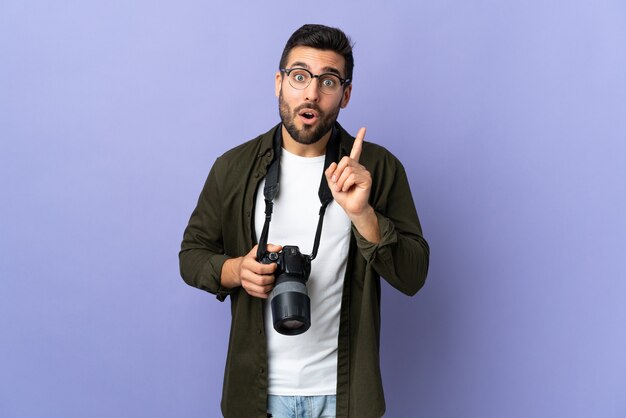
301, 64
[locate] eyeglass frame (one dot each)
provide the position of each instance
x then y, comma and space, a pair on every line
343, 82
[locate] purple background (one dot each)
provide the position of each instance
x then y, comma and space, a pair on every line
510, 118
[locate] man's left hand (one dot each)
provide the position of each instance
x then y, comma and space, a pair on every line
350, 184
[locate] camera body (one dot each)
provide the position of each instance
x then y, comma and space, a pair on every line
290, 303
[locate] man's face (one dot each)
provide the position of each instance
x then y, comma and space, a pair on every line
309, 114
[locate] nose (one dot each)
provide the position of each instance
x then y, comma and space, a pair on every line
312, 91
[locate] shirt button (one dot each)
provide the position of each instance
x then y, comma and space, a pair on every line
248, 213
261, 370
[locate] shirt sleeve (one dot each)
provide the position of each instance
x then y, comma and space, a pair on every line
402, 255
202, 254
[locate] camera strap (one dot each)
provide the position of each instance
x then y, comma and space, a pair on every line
272, 185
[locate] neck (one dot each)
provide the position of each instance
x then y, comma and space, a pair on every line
305, 150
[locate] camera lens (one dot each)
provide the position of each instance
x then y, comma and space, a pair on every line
292, 324
289, 300
291, 308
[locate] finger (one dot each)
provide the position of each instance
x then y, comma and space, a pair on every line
262, 281
345, 162
258, 295
355, 154
250, 264
264, 269
329, 172
345, 171
250, 277
352, 177
345, 174
256, 287
257, 291
348, 182
274, 248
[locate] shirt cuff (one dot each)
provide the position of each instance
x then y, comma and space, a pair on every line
215, 264
388, 236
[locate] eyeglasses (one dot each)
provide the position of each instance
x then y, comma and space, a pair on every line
300, 78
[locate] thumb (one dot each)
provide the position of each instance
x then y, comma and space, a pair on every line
274, 248
253, 250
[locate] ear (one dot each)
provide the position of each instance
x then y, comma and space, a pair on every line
345, 98
279, 82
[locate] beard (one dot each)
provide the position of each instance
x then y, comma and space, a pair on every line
308, 134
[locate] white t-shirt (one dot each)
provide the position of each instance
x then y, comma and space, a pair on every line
306, 364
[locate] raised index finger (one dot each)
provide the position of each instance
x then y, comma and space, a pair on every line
355, 154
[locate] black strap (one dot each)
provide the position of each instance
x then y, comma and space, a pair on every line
272, 185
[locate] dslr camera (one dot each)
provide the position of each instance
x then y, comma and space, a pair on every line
290, 303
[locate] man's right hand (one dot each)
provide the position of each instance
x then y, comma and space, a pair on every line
255, 278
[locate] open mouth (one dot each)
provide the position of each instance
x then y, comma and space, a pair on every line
308, 115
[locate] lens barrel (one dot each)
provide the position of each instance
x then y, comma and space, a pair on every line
291, 307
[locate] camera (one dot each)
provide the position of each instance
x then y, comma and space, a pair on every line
290, 303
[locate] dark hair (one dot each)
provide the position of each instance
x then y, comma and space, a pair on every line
321, 37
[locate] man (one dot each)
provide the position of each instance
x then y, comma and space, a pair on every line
370, 229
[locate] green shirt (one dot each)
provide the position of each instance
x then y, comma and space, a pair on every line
222, 227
